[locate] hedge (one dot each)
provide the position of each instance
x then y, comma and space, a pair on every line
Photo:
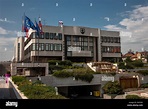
35, 90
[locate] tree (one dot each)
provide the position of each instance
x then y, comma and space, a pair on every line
128, 59
112, 88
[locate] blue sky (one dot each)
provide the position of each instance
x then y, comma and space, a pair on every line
127, 16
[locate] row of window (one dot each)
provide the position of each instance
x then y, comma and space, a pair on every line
79, 43
46, 35
110, 39
43, 47
79, 38
111, 49
83, 48
46, 47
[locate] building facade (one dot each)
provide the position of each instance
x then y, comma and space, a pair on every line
73, 43
18, 49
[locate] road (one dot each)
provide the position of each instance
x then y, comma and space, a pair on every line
4, 89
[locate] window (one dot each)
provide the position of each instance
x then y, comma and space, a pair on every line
60, 36
105, 39
91, 48
111, 39
47, 35
36, 47
46, 46
76, 38
52, 35
34, 35
18, 51
85, 43
51, 47
68, 42
85, 39
56, 36
85, 48
58, 47
33, 47
90, 39
42, 36
42, 47
68, 38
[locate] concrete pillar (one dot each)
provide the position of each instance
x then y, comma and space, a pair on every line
46, 70
101, 91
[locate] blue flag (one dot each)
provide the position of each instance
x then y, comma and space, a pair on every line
37, 28
28, 24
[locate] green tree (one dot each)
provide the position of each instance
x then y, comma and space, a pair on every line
138, 63
128, 59
112, 88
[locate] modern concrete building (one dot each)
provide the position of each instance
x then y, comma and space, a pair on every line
19, 49
70, 43
73, 43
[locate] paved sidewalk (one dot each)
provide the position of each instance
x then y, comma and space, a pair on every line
142, 93
4, 89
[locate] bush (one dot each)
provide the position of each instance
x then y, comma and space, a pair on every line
138, 63
84, 77
112, 88
63, 74
144, 85
121, 65
66, 63
83, 74
143, 72
56, 67
133, 97
53, 62
36, 90
129, 66
18, 79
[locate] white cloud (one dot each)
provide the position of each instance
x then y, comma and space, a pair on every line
6, 48
7, 21
106, 18
7, 39
136, 24
4, 32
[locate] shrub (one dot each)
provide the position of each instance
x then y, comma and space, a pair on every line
129, 66
53, 62
133, 97
138, 63
63, 74
36, 90
143, 72
144, 85
121, 65
56, 67
112, 88
85, 77
66, 63
18, 79
82, 74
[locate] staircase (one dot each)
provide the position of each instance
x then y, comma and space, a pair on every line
90, 66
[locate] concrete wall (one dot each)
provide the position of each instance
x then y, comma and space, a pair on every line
75, 30
110, 33
14, 92
98, 79
14, 66
111, 54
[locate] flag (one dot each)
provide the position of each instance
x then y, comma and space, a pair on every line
38, 30
28, 24
40, 25
61, 23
